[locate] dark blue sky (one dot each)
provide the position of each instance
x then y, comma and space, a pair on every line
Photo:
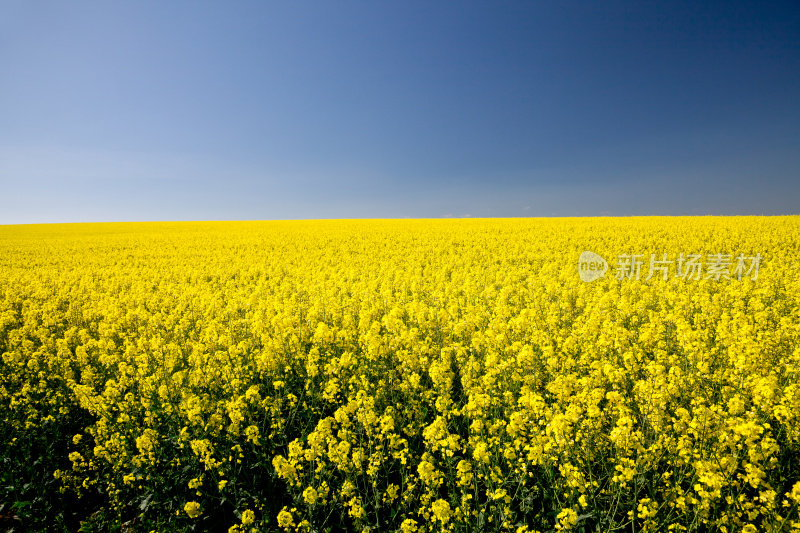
263, 110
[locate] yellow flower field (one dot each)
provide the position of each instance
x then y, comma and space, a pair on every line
415, 375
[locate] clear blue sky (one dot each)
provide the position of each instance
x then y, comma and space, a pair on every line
272, 110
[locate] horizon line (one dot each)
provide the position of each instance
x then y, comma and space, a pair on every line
465, 217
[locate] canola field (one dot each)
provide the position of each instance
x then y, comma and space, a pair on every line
402, 376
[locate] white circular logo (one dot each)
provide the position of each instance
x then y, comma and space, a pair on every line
591, 266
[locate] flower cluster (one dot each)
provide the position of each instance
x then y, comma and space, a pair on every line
403, 376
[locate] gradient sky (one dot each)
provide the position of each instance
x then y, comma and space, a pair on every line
274, 110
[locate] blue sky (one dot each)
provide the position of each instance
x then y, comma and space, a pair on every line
275, 110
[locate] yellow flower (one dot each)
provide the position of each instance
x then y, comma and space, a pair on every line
192, 509
252, 434
480, 453
248, 517
795, 493
567, 519
409, 525
441, 510
310, 495
499, 494
356, 509
391, 493
285, 518
456, 356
